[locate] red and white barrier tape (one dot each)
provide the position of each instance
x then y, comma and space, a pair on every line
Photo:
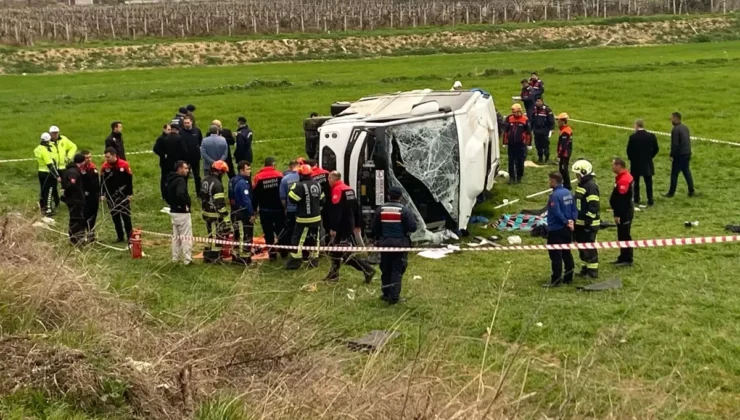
643, 243
661, 133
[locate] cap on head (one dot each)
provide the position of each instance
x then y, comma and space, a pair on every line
176, 123
516, 107
563, 116
182, 110
190, 108
53, 129
79, 158
220, 166
242, 119
395, 192
304, 170
45, 137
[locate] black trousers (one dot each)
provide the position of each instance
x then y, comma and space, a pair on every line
286, 236
242, 225
338, 258
273, 224
163, 182
49, 195
304, 235
680, 164
590, 257
564, 169
195, 172
517, 156
120, 212
542, 143
230, 163
648, 188
392, 267
91, 215
77, 223
558, 257
624, 233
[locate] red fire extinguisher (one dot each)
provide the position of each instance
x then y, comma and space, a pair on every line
136, 251
226, 248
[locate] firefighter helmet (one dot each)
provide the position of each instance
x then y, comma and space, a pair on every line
304, 170
220, 166
563, 116
516, 108
583, 167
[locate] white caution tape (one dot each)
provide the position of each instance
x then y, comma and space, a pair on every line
644, 243
508, 203
146, 152
617, 127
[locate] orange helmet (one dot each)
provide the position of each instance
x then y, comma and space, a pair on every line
220, 166
304, 170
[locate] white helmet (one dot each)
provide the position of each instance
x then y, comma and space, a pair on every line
53, 129
45, 137
582, 167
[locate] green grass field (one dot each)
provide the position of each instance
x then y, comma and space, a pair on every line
665, 346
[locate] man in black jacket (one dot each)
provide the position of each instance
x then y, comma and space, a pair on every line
164, 171
680, 155
244, 138
641, 150
179, 202
543, 121
91, 184
115, 139
191, 140
74, 197
172, 147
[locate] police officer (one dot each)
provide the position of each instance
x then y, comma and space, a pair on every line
267, 200
392, 226
344, 222
565, 148
543, 122
74, 196
213, 201
242, 212
306, 194
46, 156
91, 185
118, 188
517, 138
624, 211
244, 138
527, 96
588, 222
561, 217
65, 148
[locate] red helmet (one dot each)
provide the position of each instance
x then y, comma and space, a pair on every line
220, 166
304, 170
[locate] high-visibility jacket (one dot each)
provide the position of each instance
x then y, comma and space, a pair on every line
46, 156
587, 202
66, 150
308, 197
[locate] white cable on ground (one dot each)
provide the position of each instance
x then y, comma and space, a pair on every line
661, 133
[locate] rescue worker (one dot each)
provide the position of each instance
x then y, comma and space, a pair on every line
308, 197
242, 212
244, 138
191, 141
527, 96
159, 150
266, 199
290, 177
589, 221
213, 201
345, 223
91, 184
74, 196
46, 156
321, 176
543, 122
229, 136
393, 224
624, 211
65, 148
561, 217
115, 139
178, 200
517, 138
538, 88
565, 148
118, 188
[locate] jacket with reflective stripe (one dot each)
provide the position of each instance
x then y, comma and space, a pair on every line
587, 202
308, 197
46, 156
213, 198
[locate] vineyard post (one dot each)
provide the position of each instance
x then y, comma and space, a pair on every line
66, 29
277, 24
112, 28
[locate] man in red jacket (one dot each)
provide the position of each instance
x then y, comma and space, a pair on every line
624, 211
517, 138
118, 187
266, 199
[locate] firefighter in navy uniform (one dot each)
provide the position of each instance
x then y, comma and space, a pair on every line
588, 222
321, 176
308, 197
565, 148
392, 226
266, 198
213, 201
74, 197
543, 121
91, 184
517, 137
344, 221
624, 210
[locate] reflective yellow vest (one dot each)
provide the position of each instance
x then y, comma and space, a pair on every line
46, 154
66, 150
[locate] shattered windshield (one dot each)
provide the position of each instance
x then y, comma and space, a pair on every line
426, 161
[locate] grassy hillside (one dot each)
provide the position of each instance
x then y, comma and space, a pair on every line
663, 346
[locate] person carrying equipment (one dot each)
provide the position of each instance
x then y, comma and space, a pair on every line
91, 185
266, 199
65, 148
344, 221
561, 216
242, 212
565, 148
543, 123
393, 224
213, 202
46, 156
624, 210
517, 138
74, 196
308, 197
588, 222
118, 187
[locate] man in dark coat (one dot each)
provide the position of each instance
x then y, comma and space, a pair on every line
191, 140
159, 150
115, 139
244, 138
680, 155
641, 150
